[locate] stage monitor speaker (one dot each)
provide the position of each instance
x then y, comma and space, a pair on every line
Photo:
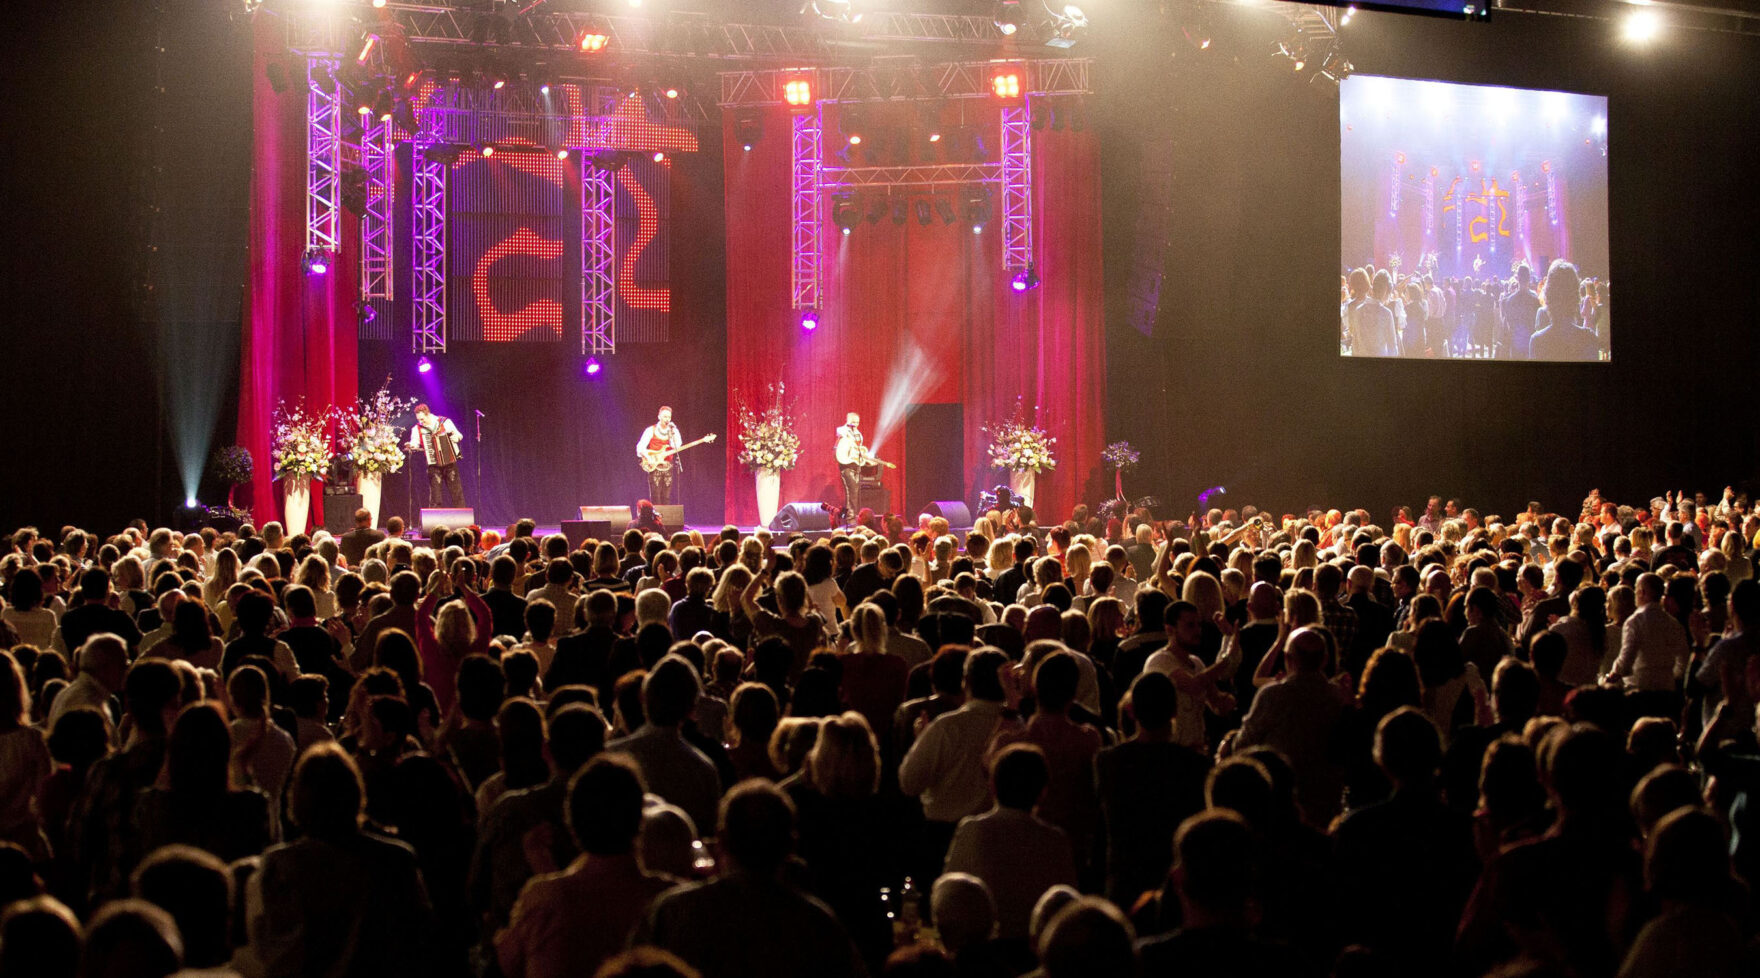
671, 516
452, 519
339, 510
577, 532
957, 514
619, 515
800, 517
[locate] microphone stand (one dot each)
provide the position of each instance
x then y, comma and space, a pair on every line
479, 488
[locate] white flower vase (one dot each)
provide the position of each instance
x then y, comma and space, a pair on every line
371, 486
1021, 484
769, 495
298, 502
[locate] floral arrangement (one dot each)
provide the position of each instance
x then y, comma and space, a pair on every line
766, 434
1121, 456
301, 447
1021, 447
232, 464
375, 444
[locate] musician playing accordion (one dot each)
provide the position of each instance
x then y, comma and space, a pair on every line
440, 441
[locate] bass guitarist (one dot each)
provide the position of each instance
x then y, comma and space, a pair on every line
659, 443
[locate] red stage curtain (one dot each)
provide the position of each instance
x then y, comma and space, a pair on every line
299, 331
929, 303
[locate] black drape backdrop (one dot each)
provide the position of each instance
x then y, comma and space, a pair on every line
1241, 384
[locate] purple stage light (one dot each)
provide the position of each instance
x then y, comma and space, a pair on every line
1024, 279
316, 261
810, 320
424, 365
592, 367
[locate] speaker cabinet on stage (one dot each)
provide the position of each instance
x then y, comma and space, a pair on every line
619, 515
796, 517
452, 519
957, 514
577, 532
339, 510
671, 516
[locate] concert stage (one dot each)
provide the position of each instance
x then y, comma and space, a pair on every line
546, 254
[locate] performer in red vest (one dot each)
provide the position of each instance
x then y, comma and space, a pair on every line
652, 450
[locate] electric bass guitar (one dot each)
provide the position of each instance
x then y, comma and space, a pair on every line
660, 461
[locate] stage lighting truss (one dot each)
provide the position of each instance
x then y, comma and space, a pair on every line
376, 247
598, 258
428, 258
807, 152
1017, 186
323, 155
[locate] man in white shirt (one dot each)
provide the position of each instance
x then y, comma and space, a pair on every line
945, 766
103, 664
441, 443
1653, 649
660, 436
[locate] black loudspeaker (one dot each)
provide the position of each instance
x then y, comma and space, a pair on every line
339, 511
957, 514
577, 532
671, 516
452, 519
797, 517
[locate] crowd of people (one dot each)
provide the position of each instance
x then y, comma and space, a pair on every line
1563, 316
1239, 744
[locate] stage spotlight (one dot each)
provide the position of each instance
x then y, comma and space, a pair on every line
1006, 85
191, 502
1008, 17
841, 11
899, 208
977, 212
810, 320
876, 210
364, 312
671, 93
934, 137
544, 89
1345, 18
944, 207
592, 367
844, 212
748, 128
592, 42
382, 106
855, 139
424, 365
404, 116
316, 261
798, 92
484, 147
659, 157
1641, 26
1024, 280
322, 77
562, 154
446, 153
923, 215
1067, 25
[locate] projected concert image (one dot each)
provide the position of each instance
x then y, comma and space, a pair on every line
1473, 222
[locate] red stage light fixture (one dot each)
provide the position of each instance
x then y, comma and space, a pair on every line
562, 154
592, 43
485, 148
798, 92
672, 93
1006, 85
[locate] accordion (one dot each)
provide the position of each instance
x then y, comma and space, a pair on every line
445, 449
